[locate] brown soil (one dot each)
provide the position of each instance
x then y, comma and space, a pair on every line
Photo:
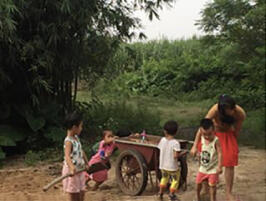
21, 183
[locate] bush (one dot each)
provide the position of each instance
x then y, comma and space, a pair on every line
253, 132
48, 155
116, 115
31, 158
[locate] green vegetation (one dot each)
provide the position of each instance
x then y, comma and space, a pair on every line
48, 47
187, 113
47, 155
45, 48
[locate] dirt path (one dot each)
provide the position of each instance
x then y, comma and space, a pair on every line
19, 183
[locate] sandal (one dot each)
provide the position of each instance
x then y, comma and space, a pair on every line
173, 197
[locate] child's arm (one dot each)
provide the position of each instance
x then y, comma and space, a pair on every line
220, 157
176, 154
210, 115
110, 152
85, 157
68, 149
177, 150
193, 150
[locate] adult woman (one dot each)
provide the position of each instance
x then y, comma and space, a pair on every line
227, 117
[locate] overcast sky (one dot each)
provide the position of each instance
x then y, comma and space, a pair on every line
176, 22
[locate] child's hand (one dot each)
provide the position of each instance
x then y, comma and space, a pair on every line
219, 170
72, 170
87, 167
108, 153
193, 151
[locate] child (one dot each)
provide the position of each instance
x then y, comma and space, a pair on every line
105, 150
169, 152
75, 159
210, 159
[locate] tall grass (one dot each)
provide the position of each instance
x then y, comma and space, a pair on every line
253, 132
134, 111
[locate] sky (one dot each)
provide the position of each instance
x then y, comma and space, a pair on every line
176, 22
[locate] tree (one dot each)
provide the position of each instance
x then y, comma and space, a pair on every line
47, 45
238, 28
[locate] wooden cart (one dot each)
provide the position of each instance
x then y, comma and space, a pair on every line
136, 161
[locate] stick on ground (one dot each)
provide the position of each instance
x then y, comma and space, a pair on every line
93, 168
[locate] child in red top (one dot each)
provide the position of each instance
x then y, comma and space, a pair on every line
106, 147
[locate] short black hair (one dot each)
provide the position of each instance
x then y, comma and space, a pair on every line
171, 127
206, 123
73, 119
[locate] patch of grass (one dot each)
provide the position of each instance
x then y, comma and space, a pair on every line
186, 113
253, 132
48, 155
189, 113
31, 158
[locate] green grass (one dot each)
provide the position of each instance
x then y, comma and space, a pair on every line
188, 114
253, 132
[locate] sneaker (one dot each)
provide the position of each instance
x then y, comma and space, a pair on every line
160, 196
173, 197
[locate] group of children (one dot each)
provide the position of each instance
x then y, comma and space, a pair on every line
210, 160
170, 150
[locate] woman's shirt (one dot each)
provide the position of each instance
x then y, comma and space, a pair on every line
76, 153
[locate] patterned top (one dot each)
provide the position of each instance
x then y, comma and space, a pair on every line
76, 153
208, 157
106, 148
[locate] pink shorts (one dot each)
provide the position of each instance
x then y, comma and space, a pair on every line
73, 184
211, 178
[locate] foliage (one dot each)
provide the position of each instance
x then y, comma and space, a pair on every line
31, 158
116, 115
48, 155
229, 59
46, 46
254, 131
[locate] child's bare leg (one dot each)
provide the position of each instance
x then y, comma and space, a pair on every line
73, 196
87, 181
199, 186
212, 193
162, 188
96, 186
205, 187
81, 195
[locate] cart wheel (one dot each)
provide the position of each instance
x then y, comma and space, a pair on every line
131, 172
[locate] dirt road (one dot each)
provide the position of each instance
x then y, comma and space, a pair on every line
20, 183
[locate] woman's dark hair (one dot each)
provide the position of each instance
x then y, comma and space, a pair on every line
226, 102
73, 119
171, 127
